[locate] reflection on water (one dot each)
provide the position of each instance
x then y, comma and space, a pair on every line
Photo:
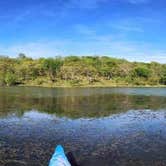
101, 126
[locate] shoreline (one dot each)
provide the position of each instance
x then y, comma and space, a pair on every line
89, 86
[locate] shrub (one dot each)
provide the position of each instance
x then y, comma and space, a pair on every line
2, 81
10, 79
142, 72
163, 80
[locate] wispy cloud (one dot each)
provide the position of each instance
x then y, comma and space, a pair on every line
85, 4
84, 30
92, 4
127, 25
33, 49
137, 1
120, 49
113, 30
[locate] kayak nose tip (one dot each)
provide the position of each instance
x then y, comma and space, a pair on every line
59, 149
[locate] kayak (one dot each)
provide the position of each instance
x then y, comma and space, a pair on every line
59, 158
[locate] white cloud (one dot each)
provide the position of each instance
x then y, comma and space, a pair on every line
32, 49
123, 49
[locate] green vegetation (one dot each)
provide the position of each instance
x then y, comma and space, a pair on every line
79, 71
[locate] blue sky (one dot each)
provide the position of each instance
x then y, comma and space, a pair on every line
130, 29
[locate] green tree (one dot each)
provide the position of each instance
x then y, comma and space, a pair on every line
52, 66
22, 56
142, 72
163, 75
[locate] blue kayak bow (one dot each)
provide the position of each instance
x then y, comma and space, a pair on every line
59, 158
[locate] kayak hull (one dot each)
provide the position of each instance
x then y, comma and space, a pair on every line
59, 158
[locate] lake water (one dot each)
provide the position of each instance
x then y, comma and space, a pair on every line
101, 126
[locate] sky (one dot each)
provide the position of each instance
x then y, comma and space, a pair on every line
131, 29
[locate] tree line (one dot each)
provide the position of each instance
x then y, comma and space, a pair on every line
78, 71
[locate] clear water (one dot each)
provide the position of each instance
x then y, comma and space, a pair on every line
101, 126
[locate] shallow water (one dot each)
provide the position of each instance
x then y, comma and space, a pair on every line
101, 126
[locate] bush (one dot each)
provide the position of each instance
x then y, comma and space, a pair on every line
75, 82
2, 81
142, 72
163, 80
139, 81
52, 66
10, 79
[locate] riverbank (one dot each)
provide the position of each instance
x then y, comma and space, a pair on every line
102, 84
73, 71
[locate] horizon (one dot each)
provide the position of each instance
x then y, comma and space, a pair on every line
127, 29
80, 56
